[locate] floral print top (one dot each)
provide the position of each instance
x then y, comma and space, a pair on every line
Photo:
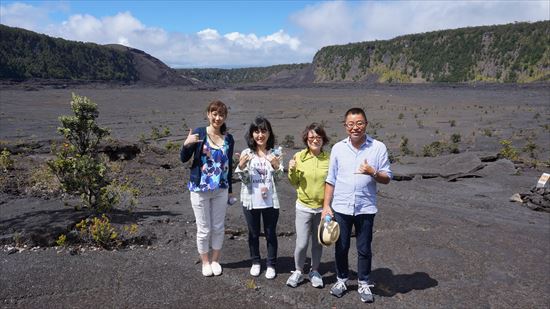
214, 168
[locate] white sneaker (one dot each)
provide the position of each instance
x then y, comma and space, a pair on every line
316, 279
207, 270
270, 273
255, 270
295, 279
216, 268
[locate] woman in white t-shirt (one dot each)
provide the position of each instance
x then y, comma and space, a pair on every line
259, 168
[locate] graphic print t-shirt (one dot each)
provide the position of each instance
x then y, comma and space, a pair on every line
262, 182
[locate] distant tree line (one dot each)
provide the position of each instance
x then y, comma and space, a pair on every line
240, 75
26, 54
518, 52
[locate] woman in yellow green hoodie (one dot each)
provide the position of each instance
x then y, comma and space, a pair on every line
307, 171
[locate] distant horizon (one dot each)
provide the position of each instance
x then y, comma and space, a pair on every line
249, 34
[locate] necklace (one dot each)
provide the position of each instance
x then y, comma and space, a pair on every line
213, 142
221, 137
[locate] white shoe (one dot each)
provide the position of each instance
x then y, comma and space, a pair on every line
216, 268
270, 273
255, 270
207, 270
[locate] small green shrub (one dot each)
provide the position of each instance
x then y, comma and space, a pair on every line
508, 151
171, 146
288, 141
530, 148
6, 162
98, 231
455, 138
78, 166
43, 181
61, 240
401, 116
160, 132
452, 123
122, 194
404, 146
488, 132
434, 149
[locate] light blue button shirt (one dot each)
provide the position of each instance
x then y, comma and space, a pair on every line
355, 194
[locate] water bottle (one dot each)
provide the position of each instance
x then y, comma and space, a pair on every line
232, 200
278, 152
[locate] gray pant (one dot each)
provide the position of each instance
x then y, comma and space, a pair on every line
306, 226
209, 208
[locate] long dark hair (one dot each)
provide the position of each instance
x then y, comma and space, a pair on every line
260, 123
220, 107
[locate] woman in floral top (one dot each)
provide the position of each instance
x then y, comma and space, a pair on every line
258, 170
210, 183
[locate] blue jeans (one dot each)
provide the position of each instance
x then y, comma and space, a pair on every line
270, 217
363, 230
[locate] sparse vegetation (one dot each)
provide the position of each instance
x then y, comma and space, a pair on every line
517, 50
172, 146
508, 151
488, 132
404, 146
78, 166
61, 240
42, 181
434, 149
530, 148
6, 162
288, 141
455, 138
98, 231
159, 132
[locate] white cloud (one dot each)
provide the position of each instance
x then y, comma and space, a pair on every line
342, 22
321, 24
23, 16
206, 48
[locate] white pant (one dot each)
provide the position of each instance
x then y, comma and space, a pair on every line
209, 208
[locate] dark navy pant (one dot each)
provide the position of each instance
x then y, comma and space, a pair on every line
270, 217
363, 229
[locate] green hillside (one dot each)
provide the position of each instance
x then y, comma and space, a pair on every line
26, 54
517, 52
241, 75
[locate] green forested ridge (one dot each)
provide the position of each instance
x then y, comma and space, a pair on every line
241, 75
518, 52
26, 54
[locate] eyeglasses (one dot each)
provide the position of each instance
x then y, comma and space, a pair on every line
314, 138
351, 124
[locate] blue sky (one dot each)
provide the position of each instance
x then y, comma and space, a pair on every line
253, 33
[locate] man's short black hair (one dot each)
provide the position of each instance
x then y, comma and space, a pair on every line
355, 111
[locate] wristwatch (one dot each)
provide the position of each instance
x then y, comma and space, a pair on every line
375, 174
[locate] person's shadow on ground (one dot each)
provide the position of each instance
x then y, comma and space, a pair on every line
388, 284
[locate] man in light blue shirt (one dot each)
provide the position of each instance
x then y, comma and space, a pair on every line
357, 164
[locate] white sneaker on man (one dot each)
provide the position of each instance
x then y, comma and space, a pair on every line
255, 270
